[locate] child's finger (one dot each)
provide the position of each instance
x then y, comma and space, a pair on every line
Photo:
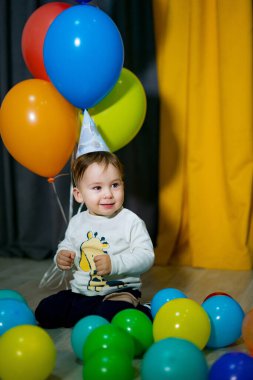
66, 254
72, 255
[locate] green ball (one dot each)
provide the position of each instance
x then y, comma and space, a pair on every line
138, 326
108, 337
109, 364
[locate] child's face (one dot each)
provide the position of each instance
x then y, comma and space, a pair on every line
101, 189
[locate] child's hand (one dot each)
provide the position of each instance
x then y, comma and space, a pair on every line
103, 264
65, 259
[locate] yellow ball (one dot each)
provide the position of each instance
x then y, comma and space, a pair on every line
182, 318
27, 353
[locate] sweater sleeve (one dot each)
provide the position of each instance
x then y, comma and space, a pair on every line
67, 243
140, 257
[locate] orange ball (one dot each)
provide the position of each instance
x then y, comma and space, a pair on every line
247, 331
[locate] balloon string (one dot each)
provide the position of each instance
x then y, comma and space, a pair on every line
59, 202
71, 201
53, 278
58, 176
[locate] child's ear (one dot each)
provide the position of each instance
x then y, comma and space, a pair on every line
77, 195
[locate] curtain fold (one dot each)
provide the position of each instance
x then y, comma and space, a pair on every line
204, 58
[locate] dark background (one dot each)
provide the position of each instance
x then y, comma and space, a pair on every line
31, 224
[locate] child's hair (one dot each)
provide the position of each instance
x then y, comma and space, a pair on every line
80, 164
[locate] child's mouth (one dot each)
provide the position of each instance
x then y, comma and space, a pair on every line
107, 205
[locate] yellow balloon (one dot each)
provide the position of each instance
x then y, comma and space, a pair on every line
27, 353
182, 318
120, 115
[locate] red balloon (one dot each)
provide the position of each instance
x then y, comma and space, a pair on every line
34, 34
216, 294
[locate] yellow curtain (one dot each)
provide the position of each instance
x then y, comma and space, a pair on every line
204, 60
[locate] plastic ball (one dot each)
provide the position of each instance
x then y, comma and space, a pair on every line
82, 330
182, 318
216, 294
11, 294
232, 366
29, 353
13, 313
174, 359
138, 326
163, 296
105, 337
108, 365
247, 331
226, 317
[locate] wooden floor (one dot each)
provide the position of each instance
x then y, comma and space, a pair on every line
24, 275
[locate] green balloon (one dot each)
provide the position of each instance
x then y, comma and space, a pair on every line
127, 94
108, 337
108, 364
138, 326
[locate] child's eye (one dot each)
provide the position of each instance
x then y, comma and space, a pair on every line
97, 188
115, 185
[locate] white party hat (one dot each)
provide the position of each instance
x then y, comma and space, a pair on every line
90, 139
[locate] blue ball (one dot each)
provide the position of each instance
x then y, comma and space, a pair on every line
232, 365
83, 54
81, 331
226, 317
163, 296
174, 359
14, 313
11, 294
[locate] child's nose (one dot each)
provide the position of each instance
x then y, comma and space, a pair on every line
107, 193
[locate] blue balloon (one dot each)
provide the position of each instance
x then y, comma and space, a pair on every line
163, 296
226, 317
232, 366
81, 331
12, 294
14, 313
174, 359
83, 54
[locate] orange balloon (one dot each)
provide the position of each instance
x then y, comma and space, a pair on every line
247, 331
38, 126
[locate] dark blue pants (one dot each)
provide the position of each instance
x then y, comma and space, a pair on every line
65, 309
